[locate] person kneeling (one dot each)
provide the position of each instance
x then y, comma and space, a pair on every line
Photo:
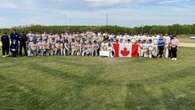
13, 49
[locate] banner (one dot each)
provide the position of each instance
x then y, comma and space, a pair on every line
135, 50
116, 49
105, 53
125, 49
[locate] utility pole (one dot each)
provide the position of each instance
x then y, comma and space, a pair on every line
107, 19
142, 26
67, 23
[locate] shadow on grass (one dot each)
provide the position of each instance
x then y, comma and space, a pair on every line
168, 77
138, 98
19, 96
74, 99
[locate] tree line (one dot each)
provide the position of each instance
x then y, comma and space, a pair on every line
154, 29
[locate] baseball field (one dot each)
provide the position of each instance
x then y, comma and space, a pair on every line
94, 83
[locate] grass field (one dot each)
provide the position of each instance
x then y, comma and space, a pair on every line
88, 83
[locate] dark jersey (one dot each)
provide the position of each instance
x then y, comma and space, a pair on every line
5, 40
22, 38
14, 37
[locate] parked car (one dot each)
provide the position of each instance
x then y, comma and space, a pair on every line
193, 37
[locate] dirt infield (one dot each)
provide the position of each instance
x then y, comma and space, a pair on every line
187, 44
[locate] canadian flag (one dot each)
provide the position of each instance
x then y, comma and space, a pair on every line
135, 49
125, 49
116, 49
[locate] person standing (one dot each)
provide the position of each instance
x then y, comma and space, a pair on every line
150, 48
167, 46
13, 48
5, 45
23, 40
14, 42
161, 45
174, 45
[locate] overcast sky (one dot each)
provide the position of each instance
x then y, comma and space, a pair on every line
93, 12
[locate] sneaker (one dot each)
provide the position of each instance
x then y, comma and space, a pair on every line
174, 59
3, 56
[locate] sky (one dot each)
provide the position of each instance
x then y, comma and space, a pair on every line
127, 13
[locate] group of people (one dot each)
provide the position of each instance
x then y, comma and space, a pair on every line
86, 44
78, 44
13, 44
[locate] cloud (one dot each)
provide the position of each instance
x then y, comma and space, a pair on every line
2, 19
8, 6
106, 3
15, 4
93, 12
172, 1
111, 3
2, 22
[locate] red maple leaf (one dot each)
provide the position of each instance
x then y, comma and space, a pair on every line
125, 52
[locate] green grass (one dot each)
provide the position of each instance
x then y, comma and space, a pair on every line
93, 83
